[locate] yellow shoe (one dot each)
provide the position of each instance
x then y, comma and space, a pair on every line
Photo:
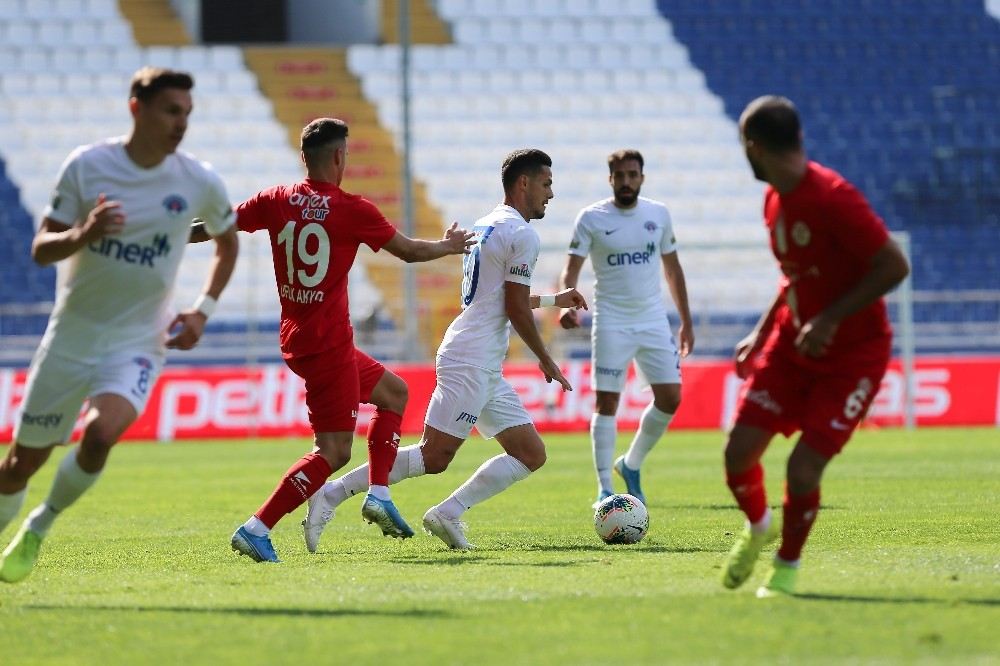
20, 556
780, 581
744, 554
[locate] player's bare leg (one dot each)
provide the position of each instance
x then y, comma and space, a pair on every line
655, 420
524, 453
745, 477
800, 506
107, 419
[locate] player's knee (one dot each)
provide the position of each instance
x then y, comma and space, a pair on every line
606, 404
533, 459
17, 470
392, 393
436, 460
99, 437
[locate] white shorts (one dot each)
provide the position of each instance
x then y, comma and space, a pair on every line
466, 396
652, 346
57, 387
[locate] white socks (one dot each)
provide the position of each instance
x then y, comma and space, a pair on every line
10, 505
409, 463
492, 477
256, 526
651, 427
603, 433
70, 484
762, 525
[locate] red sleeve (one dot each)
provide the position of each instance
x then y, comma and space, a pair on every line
252, 214
373, 229
855, 226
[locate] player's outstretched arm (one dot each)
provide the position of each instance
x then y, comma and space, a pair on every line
518, 309
190, 323
567, 299
568, 317
412, 250
55, 241
678, 291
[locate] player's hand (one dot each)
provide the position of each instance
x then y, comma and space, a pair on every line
458, 241
106, 218
552, 372
686, 336
568, 318
570, 298
186, 330
746, 355
816, 335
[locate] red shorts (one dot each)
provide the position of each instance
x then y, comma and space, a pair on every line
336, 383
825, 404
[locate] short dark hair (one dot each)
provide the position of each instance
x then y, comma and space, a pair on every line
773, 122
150, 80
523, 162
319, 136
623, 155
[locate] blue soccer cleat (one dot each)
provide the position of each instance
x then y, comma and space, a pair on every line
384, 514
631, 478
257, 548
601, 496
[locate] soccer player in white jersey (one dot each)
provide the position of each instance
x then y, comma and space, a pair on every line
624, 236
117, 225
471, 389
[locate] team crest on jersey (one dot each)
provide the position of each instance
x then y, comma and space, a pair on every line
800, 234
175, 204
650, 226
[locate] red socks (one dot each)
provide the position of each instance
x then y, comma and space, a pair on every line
299, 483
383, 441
799, 515
748, 489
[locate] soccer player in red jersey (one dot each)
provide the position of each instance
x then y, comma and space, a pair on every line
316, 229
815, 360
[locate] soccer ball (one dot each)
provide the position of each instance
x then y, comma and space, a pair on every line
621, 519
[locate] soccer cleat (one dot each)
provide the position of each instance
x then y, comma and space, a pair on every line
631, 478
384, 514
449, 530
257, 548
19, 557
780, 581
744, 553
318, 513
601, 496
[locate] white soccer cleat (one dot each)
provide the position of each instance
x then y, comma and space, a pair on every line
319, 512
449, 530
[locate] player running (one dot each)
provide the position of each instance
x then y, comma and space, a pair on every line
815, 360
471, 389
624, 236
117, 226
316, 229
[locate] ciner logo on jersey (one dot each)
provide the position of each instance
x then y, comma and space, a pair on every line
630, 258
132, 253
521, 270
314, 206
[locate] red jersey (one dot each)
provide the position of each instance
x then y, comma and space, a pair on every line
824, 235
315, 229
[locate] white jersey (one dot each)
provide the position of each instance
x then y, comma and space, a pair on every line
625, 246
506, 251
116, 291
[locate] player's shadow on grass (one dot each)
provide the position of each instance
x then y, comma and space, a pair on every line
415, 613
600, 548
867, 599
726, 507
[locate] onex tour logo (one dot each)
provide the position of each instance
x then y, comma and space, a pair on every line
521, 270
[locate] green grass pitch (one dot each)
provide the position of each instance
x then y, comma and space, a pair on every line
903, 565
